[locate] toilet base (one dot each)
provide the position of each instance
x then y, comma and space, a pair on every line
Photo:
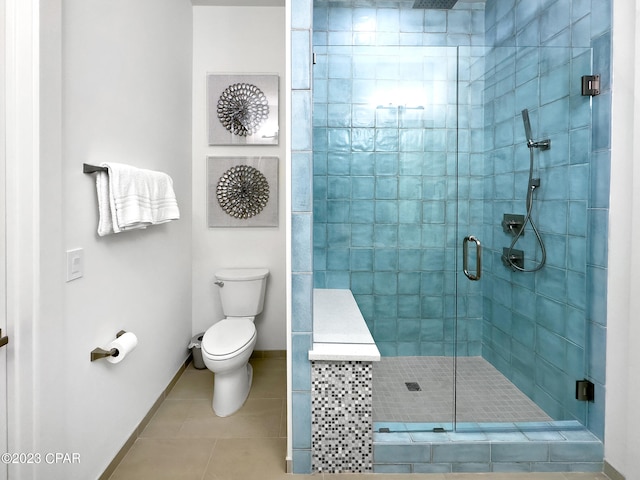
231, 389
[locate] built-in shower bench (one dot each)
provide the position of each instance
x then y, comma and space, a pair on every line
341, 384
339, 329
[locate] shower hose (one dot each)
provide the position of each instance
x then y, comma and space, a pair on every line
532, 185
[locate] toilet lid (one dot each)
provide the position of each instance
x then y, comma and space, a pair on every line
228, 336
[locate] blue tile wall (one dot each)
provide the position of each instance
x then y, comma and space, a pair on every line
406, 165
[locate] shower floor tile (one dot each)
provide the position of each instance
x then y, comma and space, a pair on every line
483, 393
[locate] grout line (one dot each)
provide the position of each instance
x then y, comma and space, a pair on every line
206, 467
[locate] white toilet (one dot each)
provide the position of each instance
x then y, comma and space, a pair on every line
228, 344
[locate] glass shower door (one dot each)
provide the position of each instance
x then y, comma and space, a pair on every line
385, 151
524, 150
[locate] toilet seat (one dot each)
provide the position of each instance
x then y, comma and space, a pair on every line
228, 337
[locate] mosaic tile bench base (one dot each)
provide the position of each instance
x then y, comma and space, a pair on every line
491, 447
341, 413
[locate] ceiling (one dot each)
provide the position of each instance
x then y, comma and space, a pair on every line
281, 3
239, 3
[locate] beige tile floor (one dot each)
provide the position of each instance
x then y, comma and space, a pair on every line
186, 441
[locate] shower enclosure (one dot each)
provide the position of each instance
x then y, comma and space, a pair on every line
461, 233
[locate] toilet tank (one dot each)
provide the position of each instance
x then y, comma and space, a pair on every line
242, 290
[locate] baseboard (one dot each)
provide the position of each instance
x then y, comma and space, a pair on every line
611, 472
269, 354
141, 426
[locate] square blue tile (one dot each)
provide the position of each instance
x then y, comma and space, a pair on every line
361, 259
363, 188
410, 188
338, 187
362, 235
386, 187
362, 211
362, 140
409, 236
385, 259
362, 163
409, 261
362, 283
338, 211
385, 283
410, 212
385, 235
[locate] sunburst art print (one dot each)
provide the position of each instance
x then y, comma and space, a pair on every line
242, 109
242, 191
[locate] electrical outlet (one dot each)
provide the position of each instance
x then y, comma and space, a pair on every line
75, 264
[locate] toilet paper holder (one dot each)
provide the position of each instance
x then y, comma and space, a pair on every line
98, 352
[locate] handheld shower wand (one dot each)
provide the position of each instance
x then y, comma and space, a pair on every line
542, 144
527, 127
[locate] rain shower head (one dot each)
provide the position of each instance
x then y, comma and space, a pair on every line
434, 4
527, 126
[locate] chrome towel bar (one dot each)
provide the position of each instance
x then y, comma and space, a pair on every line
86, 168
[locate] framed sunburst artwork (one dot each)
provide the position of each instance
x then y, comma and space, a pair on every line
242, 109
242, 191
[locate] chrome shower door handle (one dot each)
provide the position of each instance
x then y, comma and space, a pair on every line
465, 260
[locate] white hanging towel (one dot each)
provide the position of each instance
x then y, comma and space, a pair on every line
130, 198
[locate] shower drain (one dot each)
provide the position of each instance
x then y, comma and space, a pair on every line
413, 386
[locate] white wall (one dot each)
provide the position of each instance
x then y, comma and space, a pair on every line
237, 40
114, 85
622, 442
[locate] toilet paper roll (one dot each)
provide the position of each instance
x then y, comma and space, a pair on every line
123, 344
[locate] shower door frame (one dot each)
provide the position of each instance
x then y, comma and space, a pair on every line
469, 309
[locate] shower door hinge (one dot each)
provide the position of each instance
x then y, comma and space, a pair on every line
585, 390
590, 85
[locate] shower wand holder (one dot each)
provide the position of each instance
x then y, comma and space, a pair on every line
542, 144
